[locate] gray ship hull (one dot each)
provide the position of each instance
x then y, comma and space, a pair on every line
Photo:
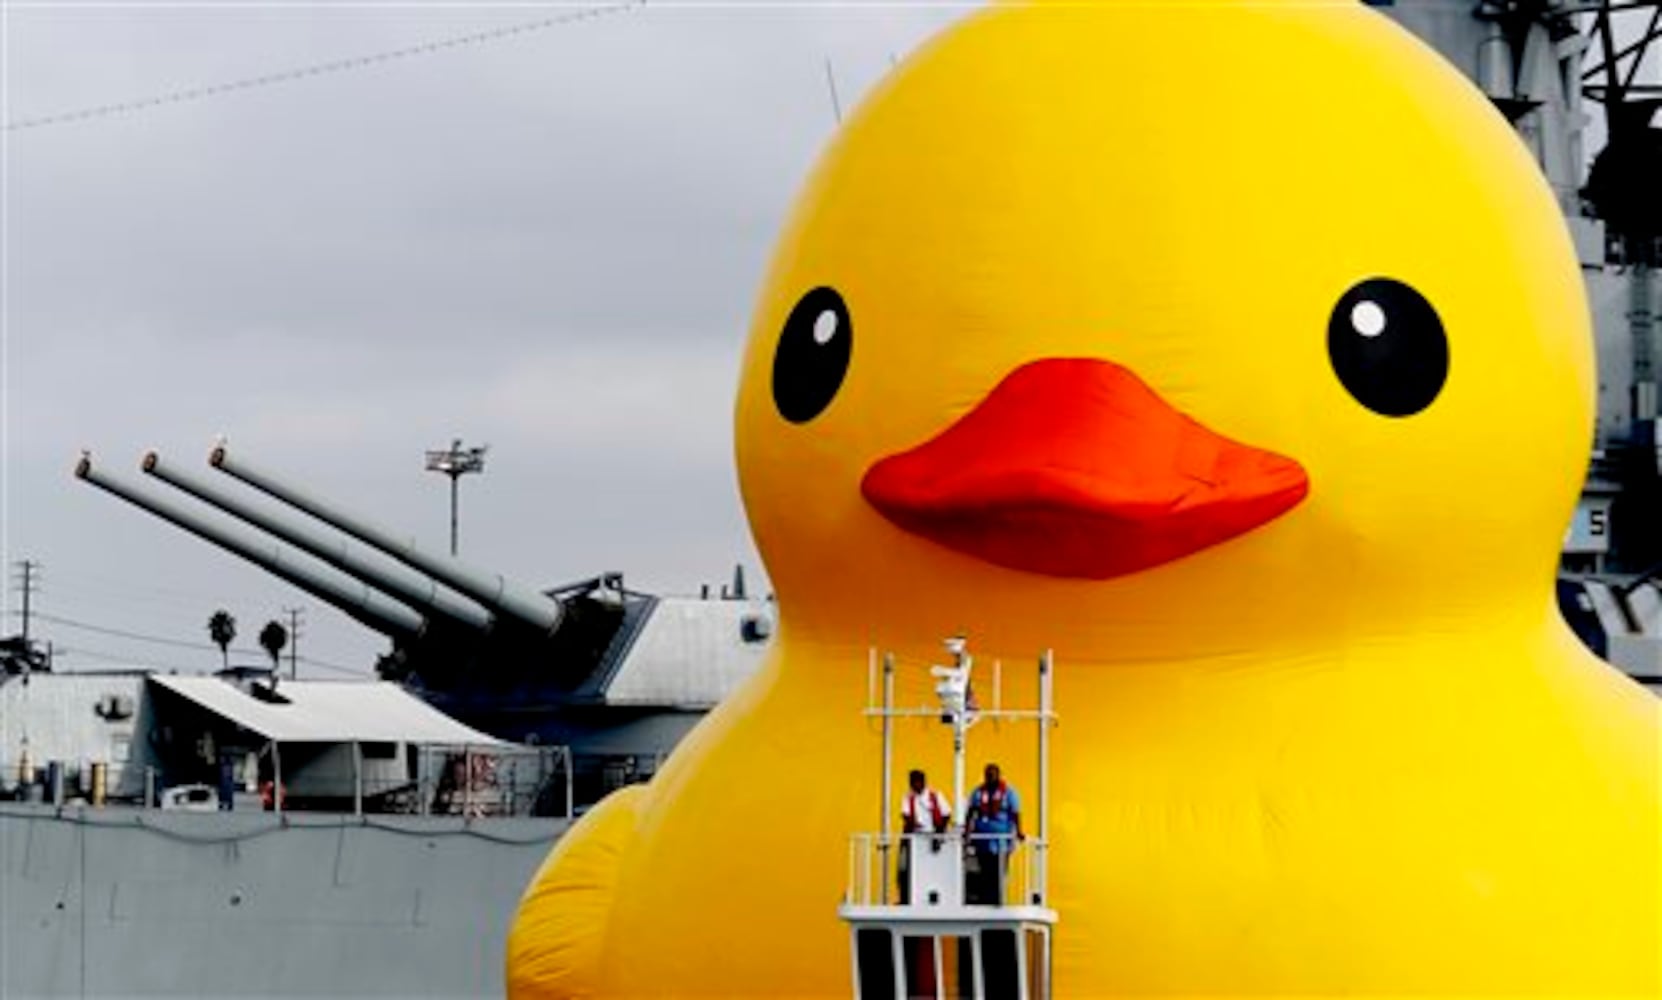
123, 902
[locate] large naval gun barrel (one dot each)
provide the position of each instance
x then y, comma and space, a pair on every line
422, 594
494, 591
362, 602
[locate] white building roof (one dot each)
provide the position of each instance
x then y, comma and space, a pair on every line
690, 654
328, 712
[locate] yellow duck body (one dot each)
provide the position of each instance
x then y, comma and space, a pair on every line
1344, 745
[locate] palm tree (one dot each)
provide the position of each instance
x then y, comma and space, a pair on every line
272, 639
222, 628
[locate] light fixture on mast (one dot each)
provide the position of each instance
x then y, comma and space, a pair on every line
456, 462
952, 687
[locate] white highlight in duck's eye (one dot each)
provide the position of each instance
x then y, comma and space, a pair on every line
825, 327
1367, 319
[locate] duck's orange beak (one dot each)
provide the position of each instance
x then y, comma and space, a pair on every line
1074, 467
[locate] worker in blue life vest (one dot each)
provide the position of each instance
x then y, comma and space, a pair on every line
924, 810
993, 824
227, 782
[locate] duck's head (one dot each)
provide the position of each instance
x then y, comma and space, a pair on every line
1157, 331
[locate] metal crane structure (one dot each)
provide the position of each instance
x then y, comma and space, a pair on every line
1581, 82
1623, 75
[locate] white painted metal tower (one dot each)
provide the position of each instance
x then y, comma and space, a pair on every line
932, 936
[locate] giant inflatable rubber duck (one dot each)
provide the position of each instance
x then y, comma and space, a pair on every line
1236, 352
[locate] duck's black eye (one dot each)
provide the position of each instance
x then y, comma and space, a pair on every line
1388, 347
812, 356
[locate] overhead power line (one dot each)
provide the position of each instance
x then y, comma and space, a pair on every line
176, 643
107, 658
78, 592
83, 580
124, 634
80, 652
318, 69
337, 667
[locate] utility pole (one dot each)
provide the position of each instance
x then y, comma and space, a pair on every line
294, 640
28, 573
831, 85
456, 462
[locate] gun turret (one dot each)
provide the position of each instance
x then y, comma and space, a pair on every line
422, 594
499, 594
361, 602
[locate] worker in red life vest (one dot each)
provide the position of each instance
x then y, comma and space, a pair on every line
923, 810
993, 824
271, 795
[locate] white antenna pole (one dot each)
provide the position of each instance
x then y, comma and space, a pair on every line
960, 721
888, 769
1047, 667
959, 801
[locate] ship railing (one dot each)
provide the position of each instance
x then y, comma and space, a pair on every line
492, 781
77, 780
880, 869
411, 779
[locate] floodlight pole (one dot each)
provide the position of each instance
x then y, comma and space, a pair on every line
456, 462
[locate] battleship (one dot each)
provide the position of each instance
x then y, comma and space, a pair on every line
377, 881
168, 833
1567, 75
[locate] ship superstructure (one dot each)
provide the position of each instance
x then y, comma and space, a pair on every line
617, 675
1581, 82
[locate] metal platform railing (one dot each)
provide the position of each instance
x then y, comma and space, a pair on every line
877, 863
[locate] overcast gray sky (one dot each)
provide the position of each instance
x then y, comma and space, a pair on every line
549, 243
